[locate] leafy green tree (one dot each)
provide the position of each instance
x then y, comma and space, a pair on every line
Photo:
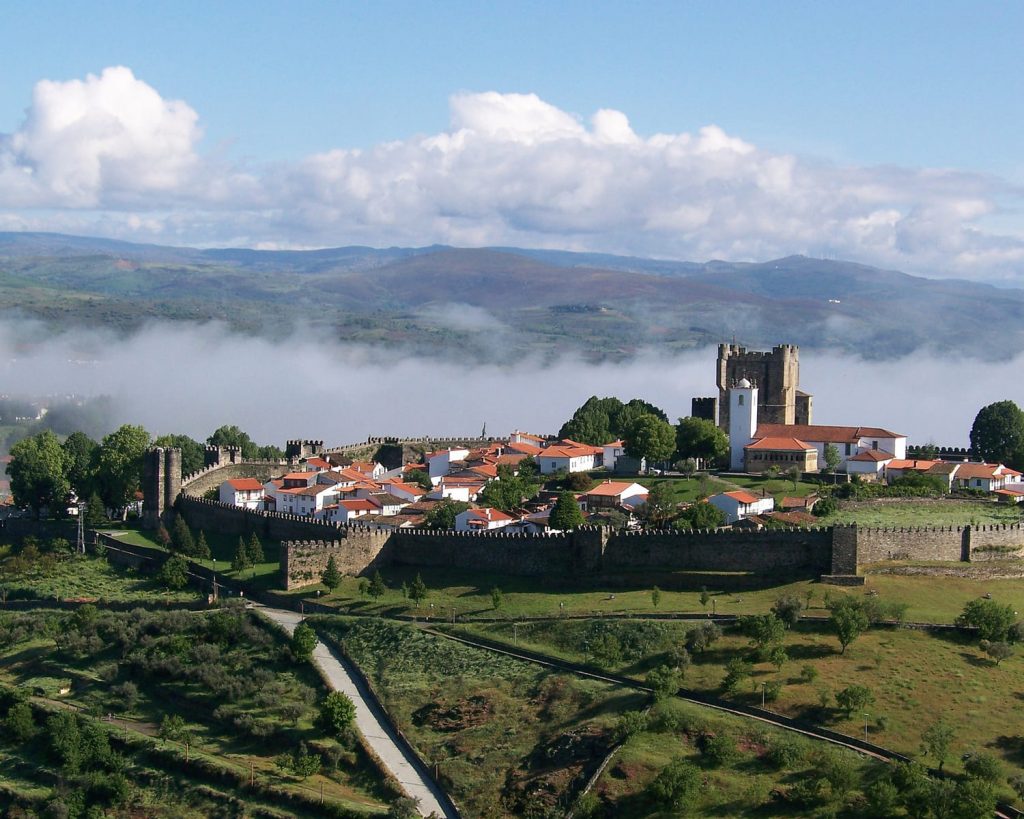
420, 478
303, 642
193, 455
254, 551
181, 536
173, 728
984, 766
649, 437
997, 435
377, 586
854, 698
496, 598
936, 741
418, 590
331, 577
882, 799
509, 492
602, 420
664, 681
241, 558
79, 455
174, 573
660, 504
993, 620
305, 765
848, 619
20, 725
825, 507
119, 465
655, 596
337, 713
566, 514
677, 786
38, 473
442, 516
832, 457
763, 630
737, 672
65, 740
700, 515
703, 439
230, 435
719, 749
972, 798
787, 608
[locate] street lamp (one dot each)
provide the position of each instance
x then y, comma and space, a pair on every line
866, 715
764, 687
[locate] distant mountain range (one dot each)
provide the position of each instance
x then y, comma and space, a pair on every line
489, 303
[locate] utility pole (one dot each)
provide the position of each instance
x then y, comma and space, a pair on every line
81, 528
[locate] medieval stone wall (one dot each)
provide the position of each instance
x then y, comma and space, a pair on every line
213, 516
911, 543
997, 542
764, 552
199, 483
303, 562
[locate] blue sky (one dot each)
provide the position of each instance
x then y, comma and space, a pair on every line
900, 122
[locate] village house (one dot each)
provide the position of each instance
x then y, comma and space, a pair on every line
245, 492
740, 504
613, 495
483, 519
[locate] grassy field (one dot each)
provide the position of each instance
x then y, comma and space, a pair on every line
915, 676
930, 598
508, 738
94, 579
923, 512
242, 699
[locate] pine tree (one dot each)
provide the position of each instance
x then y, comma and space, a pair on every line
181, 536
202, 548
377, 586
163, 537
255, 551
331, 577
418, 590
241, 560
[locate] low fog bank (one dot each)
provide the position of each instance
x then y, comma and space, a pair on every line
180, 378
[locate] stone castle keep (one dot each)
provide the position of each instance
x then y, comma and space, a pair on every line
776, 374
613, 557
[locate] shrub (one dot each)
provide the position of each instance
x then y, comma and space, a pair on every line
337, 712
719, 749
853, 698
985, 767
630, 724
785, 753
677, 785
992, 619
808, 674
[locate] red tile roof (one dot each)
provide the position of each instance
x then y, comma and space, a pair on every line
872, 456
245, 484
782, 444
824, 434
742, 497
610, 489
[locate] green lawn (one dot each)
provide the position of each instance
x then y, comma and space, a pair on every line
919, 512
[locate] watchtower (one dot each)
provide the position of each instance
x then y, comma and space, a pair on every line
161, 485
776, 375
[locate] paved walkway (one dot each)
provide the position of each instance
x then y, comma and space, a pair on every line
369, 720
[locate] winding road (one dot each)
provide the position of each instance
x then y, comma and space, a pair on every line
371, 722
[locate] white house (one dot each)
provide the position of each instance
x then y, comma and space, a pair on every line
568, 458
407, 491
244, 492
871, 462
738, 505
613, 494
439, 463
612, 452
987, 477
306, 500
485, 519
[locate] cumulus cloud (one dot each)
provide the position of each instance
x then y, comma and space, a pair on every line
511, 169
193, 378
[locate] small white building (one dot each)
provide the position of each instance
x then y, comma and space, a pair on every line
481, 520
870, 462
739, 504
612, 452
440, 463
245, 492
613, 494
578, 458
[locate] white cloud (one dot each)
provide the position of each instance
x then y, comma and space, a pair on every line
512, 169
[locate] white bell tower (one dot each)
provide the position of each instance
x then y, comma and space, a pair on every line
742, 421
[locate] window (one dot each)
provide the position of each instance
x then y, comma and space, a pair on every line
740, 400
